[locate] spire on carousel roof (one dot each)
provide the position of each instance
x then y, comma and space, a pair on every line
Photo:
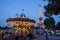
22, 10
16, 14
22, 14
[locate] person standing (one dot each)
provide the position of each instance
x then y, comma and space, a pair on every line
16, 38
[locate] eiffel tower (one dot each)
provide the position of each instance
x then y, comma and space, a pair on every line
40, 23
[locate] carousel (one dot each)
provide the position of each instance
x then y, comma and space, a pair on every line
21, 23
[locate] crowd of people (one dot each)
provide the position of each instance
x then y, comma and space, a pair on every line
20, 35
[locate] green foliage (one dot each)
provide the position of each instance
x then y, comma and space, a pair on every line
58, 26
53, 7
49, 23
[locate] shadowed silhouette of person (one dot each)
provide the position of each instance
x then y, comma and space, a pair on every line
16, 38
46, 36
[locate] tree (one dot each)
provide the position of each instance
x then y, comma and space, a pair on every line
58, 26
53, 7
49, 23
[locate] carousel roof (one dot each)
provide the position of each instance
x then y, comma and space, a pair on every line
22, 17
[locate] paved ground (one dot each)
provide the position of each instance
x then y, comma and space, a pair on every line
42, 37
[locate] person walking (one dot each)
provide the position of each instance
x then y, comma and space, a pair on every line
46, 36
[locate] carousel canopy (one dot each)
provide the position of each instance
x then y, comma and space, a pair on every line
20, 19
